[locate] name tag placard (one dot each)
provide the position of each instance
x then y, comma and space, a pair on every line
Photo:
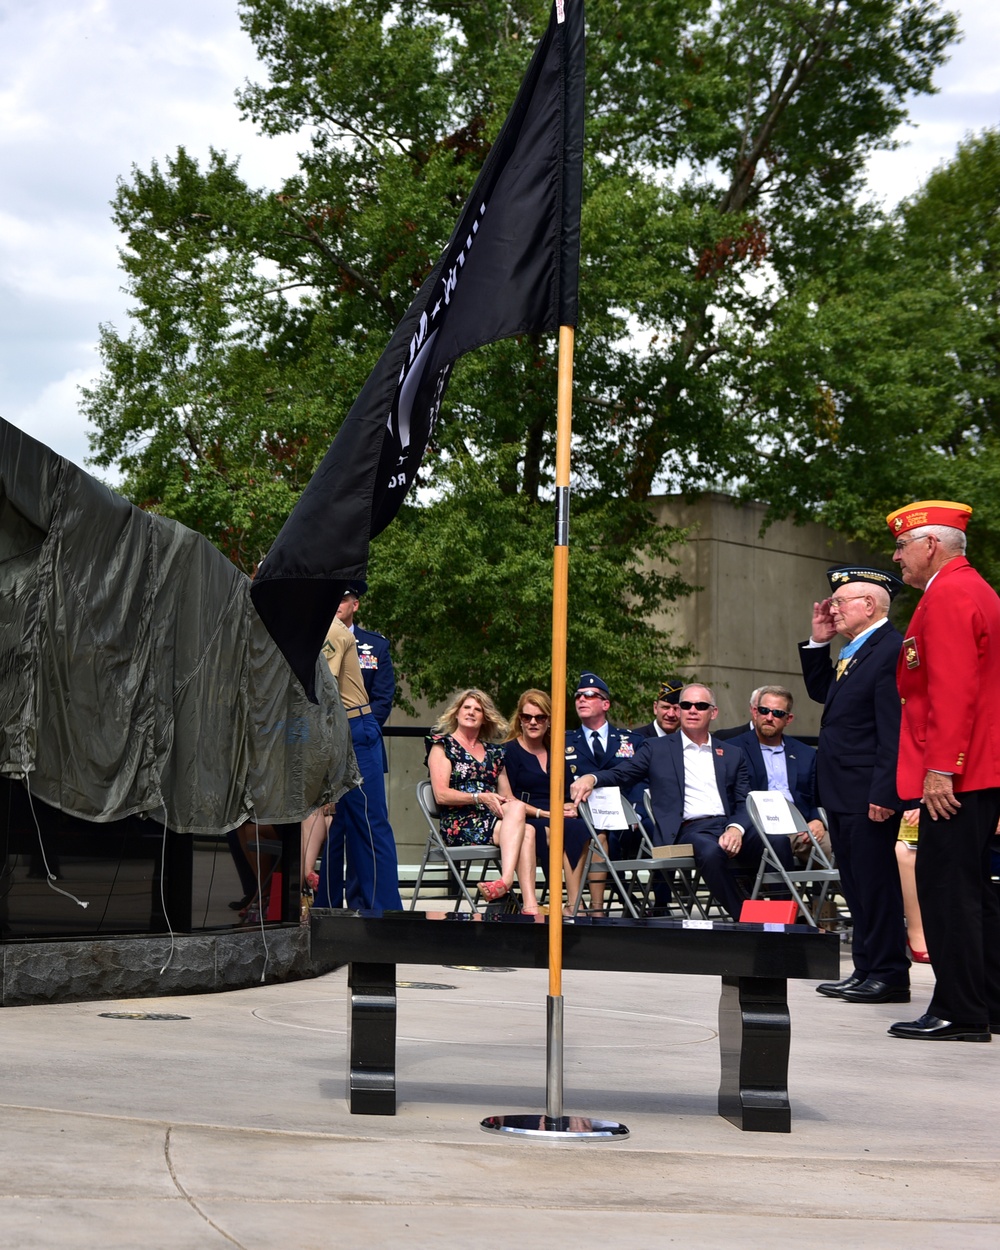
606, 808
775, 814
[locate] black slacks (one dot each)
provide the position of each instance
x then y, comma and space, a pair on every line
718, 869
960, 909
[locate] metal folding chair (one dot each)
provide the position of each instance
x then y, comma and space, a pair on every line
456, 861
630, 878
687, 882
818, 872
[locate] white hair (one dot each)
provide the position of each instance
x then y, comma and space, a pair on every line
950, 538
700, 685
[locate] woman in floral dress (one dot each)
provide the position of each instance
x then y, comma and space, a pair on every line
466, 765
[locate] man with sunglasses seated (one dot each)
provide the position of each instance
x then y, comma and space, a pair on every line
698, 787
780, 763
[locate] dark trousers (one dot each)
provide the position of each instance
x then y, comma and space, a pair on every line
361, 824
960, 909
719, 870
869, 877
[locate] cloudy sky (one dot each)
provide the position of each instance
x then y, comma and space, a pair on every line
89, 88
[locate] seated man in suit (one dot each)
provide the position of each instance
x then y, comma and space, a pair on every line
666, 711
698, 789
779, 763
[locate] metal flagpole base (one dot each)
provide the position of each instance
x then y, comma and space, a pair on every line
566, 1128
554, 1125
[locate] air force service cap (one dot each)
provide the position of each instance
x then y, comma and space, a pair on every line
590, 681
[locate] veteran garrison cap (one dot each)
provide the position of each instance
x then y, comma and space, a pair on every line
842, 574
929, 512
670, 690
590, 681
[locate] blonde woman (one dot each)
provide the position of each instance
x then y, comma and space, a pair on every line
466, 764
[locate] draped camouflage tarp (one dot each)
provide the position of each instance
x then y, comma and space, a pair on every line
135, 676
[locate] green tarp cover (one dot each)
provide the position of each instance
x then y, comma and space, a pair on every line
135, 675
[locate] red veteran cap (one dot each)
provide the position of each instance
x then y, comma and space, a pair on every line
929, 512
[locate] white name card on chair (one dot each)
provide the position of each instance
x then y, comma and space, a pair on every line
773, 811
606, 808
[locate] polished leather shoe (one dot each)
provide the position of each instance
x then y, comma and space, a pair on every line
834, 989
872, 991
931, 1029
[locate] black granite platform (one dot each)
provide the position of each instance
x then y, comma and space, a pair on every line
754, 963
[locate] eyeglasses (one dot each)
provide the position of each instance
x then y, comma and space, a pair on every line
771, 711
590, 694
533, 716
839, 603
905, 542
686, 706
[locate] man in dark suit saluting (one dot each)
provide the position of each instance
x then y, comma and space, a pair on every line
856, 773
698, 789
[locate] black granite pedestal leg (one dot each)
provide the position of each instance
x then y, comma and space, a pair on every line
754, 1035
371, 1031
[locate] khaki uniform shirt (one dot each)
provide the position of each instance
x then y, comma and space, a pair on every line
341, 654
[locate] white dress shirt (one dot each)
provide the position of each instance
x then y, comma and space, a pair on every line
701, 788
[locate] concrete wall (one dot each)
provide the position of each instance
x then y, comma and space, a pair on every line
753, 607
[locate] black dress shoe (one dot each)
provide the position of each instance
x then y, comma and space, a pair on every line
834, 989
930, 1028
872, 991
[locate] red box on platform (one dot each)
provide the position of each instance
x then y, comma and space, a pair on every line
768, 911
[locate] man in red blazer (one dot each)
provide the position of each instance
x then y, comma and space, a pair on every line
949, 758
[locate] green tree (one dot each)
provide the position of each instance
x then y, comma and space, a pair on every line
724, 148
881, 380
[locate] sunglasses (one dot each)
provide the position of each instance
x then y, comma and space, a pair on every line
772, 711
686, 705
533, 716
590, 694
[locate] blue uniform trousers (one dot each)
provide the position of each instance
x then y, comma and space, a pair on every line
361, 825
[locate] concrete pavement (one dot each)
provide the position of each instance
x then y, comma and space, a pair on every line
230, 1127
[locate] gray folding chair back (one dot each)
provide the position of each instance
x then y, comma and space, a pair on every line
458, 862
631, 879
809, 885
686, 884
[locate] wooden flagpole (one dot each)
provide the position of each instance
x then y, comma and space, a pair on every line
557, 729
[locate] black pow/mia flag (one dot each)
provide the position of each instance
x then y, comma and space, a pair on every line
511, 267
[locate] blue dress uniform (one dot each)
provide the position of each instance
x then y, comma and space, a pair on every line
362, 824
376, 672
622, 746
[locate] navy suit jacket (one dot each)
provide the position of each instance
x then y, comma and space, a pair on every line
646, 731
859, 730
659, 763
376, 671
800, 765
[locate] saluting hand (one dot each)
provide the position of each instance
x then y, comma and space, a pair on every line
823, 628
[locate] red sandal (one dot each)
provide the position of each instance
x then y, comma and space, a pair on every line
492, 890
